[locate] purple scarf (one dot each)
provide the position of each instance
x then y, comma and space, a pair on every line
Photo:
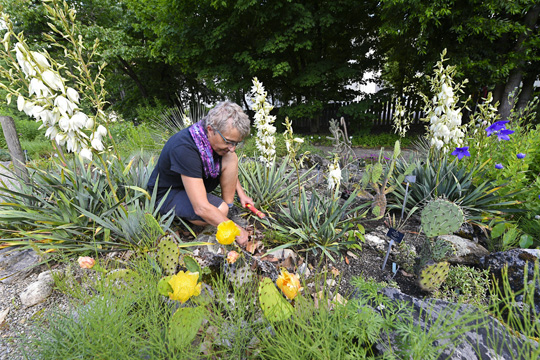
211, 165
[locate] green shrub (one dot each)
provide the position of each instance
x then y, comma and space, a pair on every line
465, 284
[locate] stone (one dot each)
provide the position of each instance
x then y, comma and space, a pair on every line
3, 315
16, 264
46, 276
467, 252
488, 340
35, 293
515, 260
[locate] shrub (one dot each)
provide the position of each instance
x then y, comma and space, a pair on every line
465, 284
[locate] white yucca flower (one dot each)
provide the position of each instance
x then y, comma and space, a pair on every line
334, 175
56, 106
265, 139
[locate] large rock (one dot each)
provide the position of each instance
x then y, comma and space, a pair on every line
38, 291
467, 252
16, 265
515, 261
489, 339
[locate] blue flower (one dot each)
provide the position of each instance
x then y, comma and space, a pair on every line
461, 152
498, 166
496, 126
521, 155
503, 134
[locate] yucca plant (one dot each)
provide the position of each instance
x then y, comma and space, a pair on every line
268, 186
319, 223
71, 207
441, 177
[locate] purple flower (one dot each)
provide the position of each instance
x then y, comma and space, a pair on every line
521, 155
386, 158
498, 166
503, 134
461, 152
496, 126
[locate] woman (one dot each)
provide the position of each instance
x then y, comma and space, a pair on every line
196, 160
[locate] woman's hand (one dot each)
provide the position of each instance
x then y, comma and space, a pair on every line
245, 200
243, 238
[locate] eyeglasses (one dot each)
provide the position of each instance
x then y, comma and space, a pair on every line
228, 142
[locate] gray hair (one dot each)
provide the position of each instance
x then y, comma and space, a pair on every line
218, 118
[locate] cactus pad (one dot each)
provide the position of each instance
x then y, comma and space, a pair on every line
441, 217
192, 265
167, 255
273, 304
432, 275
184, 326
163, 286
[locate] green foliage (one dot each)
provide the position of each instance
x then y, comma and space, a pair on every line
70, 207
268, 186
378, 177
523, 316
441, 217
519, 176
319, 223
465, 284
468, 187
380, 140
274, 306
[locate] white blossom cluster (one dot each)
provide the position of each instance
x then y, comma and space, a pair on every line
334, 175
56, 105
443, 114
265, 140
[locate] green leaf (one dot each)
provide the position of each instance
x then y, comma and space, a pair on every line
498, 230
525, 241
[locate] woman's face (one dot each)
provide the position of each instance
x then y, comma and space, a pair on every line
224, 141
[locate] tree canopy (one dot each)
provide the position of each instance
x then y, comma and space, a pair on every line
307, 53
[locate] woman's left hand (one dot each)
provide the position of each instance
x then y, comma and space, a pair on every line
244, 200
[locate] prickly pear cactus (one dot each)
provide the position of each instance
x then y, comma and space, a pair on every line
184, 326
433, 274
441, 217
163, 287
192, 265
273, 304
167, 255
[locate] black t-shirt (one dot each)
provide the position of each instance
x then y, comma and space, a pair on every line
180, 156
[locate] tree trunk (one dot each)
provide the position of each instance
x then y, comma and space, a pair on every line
129, 71
14, 146
526, 91
498, 93
514, 79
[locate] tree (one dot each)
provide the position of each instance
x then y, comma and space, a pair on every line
493, 42
305, 52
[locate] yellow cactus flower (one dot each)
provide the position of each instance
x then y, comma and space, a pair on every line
289, 284
227, 231
184, 286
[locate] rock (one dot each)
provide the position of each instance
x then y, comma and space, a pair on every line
3, 315
46, 276
36, 293
467, 252
16, 265
487, 340
515, 260
376, 242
